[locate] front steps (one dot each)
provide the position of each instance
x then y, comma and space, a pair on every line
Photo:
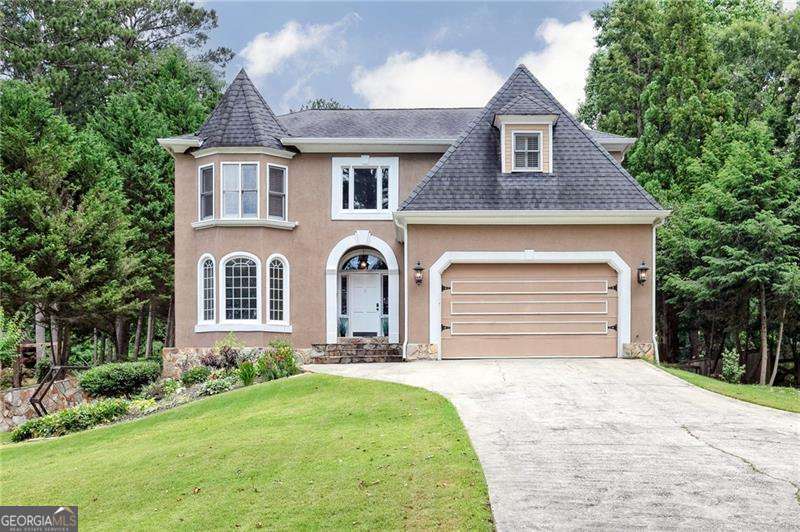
357, 351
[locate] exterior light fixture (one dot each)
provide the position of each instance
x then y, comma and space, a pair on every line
362, 262
418, 269
641, 273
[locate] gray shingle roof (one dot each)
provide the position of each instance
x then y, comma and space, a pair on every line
242, 118
379, 123
584, 176
525, 104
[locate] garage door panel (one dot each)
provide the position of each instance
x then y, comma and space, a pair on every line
526, 346
529, 310
473, 307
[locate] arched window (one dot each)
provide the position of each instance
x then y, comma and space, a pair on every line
241, 288
206, 298
278, 294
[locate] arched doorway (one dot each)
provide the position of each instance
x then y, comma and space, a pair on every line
362, 289
363, 294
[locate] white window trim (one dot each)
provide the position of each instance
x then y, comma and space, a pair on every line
224, 306
200, 289
200, 192
286, 321
514, 167
222, 190
285, 192
529, 256
337, 213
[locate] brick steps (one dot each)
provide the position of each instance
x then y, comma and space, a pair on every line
357, 351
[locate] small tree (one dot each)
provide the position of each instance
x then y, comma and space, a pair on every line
732, 371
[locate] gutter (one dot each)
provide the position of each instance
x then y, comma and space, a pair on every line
532, 217
404, 228
656, 225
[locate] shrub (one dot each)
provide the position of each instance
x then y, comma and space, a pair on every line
195, 375
122, 378
732, 371
73, 419
226, 352
41, 368
215, 386
141, 407
278, 361
160, 389
247, 373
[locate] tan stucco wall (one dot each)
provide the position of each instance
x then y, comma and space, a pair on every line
508, 148
633, 243
306, 247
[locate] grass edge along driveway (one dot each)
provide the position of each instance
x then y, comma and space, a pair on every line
778, 397
307, 452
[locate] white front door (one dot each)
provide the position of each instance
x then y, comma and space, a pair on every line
365, 304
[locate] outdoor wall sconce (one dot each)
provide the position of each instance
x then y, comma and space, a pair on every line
641, 273
418, 269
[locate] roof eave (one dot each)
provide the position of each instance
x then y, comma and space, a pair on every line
533, 217
179, 144
357, 144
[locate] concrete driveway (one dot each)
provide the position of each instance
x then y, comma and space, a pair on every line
605, 443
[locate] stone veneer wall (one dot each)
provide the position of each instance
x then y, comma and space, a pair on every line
16, 407
179, 359
639, 350
421, 352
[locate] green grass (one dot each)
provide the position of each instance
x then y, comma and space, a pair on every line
308, 452
779, 397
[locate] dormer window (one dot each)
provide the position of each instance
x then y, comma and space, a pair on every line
527, 151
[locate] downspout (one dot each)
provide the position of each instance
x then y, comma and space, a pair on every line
404, 227
656, 224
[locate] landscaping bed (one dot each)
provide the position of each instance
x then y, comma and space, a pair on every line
308, 452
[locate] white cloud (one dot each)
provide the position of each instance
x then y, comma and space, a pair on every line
563, 63
433, 79
267, 53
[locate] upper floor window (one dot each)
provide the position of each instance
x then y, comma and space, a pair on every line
240, 190
276, 203
206, 191
241, 289
527, 151
364, 187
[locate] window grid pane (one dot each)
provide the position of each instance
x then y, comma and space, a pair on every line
343, 302
365, 188
526, 151
276, 290
384, 188
208, 290
241, 289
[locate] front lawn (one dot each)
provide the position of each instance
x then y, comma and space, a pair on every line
307, 452
779, 397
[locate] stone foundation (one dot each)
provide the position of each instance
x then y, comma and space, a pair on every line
422, 352
639, 350
179, 359
16, 408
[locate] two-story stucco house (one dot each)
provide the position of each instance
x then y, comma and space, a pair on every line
504, 231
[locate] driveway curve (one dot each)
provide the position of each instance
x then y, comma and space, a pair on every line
594, 443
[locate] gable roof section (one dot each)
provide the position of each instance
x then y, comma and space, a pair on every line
242, 118
379, 123
584, 177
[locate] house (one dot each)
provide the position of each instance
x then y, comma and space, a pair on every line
504, 231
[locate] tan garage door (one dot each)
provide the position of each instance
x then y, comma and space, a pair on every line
529, 310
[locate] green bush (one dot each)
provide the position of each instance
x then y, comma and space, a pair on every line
732, 371
160, 389
194, 375
215, 386
141, 407
247, 373
122, 378
72, 419
42, 367
278, 361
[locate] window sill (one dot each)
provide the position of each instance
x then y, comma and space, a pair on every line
342, 215
242, 327
245, 222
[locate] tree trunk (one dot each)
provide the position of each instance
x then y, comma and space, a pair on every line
53, 338
16, 373
40, 335
94, 346
778, 347
762, 378
102, 357
137, 342
694, 343
122, 337
169, 340
148, 346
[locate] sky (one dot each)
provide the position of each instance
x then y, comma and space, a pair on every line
405, 54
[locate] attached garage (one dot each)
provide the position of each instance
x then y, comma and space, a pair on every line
529, 310
529, 304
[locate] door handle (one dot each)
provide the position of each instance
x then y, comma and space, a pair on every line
377, 306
